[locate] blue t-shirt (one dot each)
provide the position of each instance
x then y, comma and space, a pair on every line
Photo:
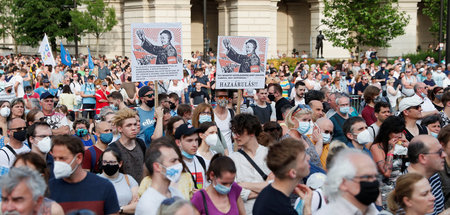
88, 89
93, 193
147, 120
148, 133
89, 142
41, 90
366, 150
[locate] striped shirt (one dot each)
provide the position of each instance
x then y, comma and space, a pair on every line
436, 189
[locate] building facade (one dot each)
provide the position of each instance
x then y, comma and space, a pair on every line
289, 24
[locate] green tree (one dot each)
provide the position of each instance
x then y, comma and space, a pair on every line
352, 24
8, 21
39, 17
97, 19
433, 11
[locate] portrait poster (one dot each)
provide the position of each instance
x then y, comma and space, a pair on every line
156, 51
241, 62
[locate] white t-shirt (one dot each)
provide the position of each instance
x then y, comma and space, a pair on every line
198, 172
373, 130
151, 200
17, 78
179, 90
224, 126
122, 188
5, 153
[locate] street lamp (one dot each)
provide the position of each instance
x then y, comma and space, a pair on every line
205, 40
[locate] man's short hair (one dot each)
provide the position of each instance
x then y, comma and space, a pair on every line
415, 148
314, 95
116, 95
153, 153
34, 181
252, 41
183, 109
379, 105
72, 143
122, 115
445, 98
174, 96
444, 135
246, 122
80, 121
168, 34
348, 124
299, 83
283, 155
276, 87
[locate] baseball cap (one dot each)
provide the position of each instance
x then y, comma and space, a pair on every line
117, 81
46, 95
409, 102
104, 83
144, 90
45, 81
185, 129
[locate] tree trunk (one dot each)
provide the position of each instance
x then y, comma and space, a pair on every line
96, 49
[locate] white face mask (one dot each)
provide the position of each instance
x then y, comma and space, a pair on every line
4, 112
63, 169
211, 139
173, 173
45, 145
364, 137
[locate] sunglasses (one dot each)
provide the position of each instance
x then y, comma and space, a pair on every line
415, 107
150, 95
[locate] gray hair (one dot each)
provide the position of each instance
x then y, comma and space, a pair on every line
339, 96
105, 110
35, 103
172, 208
32, 178
341, 167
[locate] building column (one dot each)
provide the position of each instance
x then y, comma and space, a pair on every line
143, 11
329, 51
408, 42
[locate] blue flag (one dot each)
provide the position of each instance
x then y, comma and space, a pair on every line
65, 56
91, 63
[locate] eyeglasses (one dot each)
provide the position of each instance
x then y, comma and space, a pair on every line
415, 107
367, 177
19, 128
42, 119
109, 162
439, 152
150, 95
222, 97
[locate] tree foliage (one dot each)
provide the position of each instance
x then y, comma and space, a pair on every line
352, 24
432, 9
8, 20
97, 19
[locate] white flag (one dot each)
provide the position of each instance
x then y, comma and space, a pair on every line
46, 52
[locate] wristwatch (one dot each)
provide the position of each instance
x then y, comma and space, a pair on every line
121, 210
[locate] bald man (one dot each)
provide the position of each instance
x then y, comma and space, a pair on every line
326, 128
104, 136
317, 109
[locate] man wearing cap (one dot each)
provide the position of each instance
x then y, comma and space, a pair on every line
101, 97
186, 137
249, 62
421, 92
146, 110
118, 87
57, 121
411, 110
88, 94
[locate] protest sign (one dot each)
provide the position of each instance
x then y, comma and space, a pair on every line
241, 62
156, 51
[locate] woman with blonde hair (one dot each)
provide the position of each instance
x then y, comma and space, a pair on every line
297, 124
412, 193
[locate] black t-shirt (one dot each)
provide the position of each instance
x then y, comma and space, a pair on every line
199, 97
381, 75
271, 201
429, 82
360, 87
422, 130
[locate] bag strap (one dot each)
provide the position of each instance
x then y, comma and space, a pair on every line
11, 149
320, 200
126, 178
93, 157
204, 202
6, 155
263, 175
202, 162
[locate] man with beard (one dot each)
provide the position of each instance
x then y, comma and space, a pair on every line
166, 53
299, 98
249, 62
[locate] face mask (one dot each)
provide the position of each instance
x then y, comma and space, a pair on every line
172, 106
303, 127
110, 169
423, 95
45, 145
187, 155
434, 134
20, 135
326, 137
369, 192
82, 132
222, 102
211, 139
364, 137
63, 169
344, 110
113, 106
439, 97
189, 122
4, 112
222, 189
106, 138
150, 103
271, 97
29, 94
204, 118
173, 173
439, 71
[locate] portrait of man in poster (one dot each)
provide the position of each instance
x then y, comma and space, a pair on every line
165, 53
249, 62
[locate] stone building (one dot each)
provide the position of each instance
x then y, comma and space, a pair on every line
289, 24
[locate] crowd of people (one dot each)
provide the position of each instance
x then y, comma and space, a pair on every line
351, 138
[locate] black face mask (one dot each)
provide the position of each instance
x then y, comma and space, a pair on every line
368, 192
20, 135
150, 103
172, 106
110, 169
271, 97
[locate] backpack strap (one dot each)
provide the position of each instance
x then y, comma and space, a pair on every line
202, 162
204, 202
126, 178
320, 200
93, 157
231, 113
6, 155
11, 149
250, 160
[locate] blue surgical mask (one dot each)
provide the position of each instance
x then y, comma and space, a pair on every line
326, 137
303, 127
222, 189
106, 138
204, 118
423, 95
434, 134
187, 155
344, 110
189, 122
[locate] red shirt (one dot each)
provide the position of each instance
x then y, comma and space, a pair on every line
33, 96
99, 95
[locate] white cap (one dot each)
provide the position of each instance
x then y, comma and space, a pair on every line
409, 102
316, 180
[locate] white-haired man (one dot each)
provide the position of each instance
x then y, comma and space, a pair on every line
351, 186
